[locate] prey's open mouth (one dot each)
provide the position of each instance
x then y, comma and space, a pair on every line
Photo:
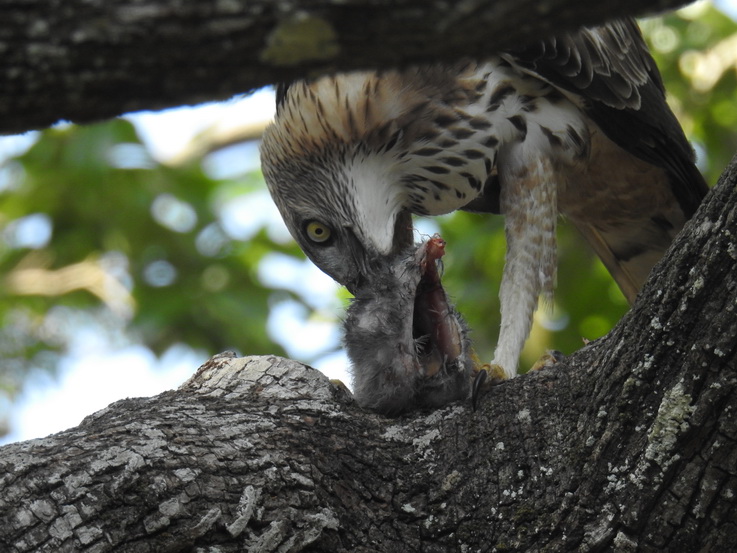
436, 329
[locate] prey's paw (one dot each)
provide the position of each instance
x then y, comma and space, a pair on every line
487, 375
548, 359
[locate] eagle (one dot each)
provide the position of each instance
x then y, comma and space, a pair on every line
576, 125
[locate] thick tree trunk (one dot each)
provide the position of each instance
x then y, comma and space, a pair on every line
628, 445
85, 60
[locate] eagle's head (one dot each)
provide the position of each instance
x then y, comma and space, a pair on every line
348, 159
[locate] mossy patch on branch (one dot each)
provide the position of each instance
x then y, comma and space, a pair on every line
301, 38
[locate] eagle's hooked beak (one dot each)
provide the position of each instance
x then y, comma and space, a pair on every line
361, 261
368, 261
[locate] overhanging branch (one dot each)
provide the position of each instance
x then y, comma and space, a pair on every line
93, 60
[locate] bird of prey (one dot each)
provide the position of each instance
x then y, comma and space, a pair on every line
575, 124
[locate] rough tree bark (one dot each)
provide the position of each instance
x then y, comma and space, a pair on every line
628, 445
86, 60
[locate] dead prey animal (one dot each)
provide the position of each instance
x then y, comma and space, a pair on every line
408, 346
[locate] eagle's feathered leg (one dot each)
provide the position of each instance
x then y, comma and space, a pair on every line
529, 204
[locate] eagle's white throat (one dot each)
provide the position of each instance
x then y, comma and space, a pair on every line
378, 198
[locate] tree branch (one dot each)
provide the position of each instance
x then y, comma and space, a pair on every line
630, 444
95, 59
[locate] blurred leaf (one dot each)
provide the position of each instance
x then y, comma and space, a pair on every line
696, 51
142, 239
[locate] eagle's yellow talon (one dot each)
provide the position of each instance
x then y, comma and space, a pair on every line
487, 375
548, 359
495, 372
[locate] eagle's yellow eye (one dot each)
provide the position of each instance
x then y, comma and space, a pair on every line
317, 231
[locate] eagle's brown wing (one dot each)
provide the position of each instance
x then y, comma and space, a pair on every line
612, 69
609, 72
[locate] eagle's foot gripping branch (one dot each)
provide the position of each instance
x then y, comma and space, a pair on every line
491, 374
486, 376
548, 359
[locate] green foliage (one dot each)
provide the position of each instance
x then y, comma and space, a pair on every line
145, 245
130, 239
696, 51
